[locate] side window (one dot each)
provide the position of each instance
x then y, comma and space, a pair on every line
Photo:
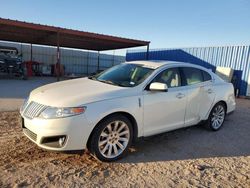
171, 77
206, 76
192, 75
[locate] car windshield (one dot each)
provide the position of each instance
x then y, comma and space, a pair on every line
125, 75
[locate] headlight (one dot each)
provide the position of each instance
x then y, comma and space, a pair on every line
53, 112
25, 103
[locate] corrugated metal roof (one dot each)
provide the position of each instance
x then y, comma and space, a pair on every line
18, 31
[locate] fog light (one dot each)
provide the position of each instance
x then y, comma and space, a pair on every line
54, 141
61, 141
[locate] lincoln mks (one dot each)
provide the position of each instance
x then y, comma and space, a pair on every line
106, 112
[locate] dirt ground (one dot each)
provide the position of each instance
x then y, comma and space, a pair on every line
190, 157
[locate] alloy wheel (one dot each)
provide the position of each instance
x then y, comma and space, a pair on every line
114, 139
218, 116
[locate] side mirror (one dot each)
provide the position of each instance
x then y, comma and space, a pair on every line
157, 86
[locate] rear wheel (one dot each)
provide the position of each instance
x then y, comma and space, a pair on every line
111, 138
216, 117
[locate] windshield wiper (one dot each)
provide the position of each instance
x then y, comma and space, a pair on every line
107, 82
110, 82
92, 78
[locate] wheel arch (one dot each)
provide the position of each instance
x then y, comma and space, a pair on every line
223, 102
127, 115
220, 101
212, 106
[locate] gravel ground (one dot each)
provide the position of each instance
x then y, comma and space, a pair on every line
190, 157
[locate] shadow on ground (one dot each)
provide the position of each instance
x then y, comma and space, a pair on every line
197, 142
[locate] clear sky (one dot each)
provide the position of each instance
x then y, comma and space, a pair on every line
166, 23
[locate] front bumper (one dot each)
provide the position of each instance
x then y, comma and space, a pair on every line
47, 132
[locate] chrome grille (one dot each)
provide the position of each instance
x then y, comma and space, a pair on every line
30, 134
33, 109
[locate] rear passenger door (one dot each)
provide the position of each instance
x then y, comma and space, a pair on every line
200, 95
207, 95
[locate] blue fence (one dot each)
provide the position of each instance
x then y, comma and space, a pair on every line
235, 57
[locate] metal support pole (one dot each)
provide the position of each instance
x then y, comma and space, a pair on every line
98, 61
58, 58
21, 50
88, 64
147, 55
31, 52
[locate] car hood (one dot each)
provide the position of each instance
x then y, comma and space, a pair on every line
77, 92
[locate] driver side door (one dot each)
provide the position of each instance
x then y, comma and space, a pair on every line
164, 111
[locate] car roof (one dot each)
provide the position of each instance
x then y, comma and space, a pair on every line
154, 64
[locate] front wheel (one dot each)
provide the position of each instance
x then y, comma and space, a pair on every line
111, 138
216, 117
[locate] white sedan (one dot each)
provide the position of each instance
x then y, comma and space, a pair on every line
107, 112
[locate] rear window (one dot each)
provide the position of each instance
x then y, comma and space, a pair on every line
206, 76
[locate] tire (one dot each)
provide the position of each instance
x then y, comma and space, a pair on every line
216, 117
111, 138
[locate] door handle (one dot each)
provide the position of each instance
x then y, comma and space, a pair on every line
209, 91
180, 95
